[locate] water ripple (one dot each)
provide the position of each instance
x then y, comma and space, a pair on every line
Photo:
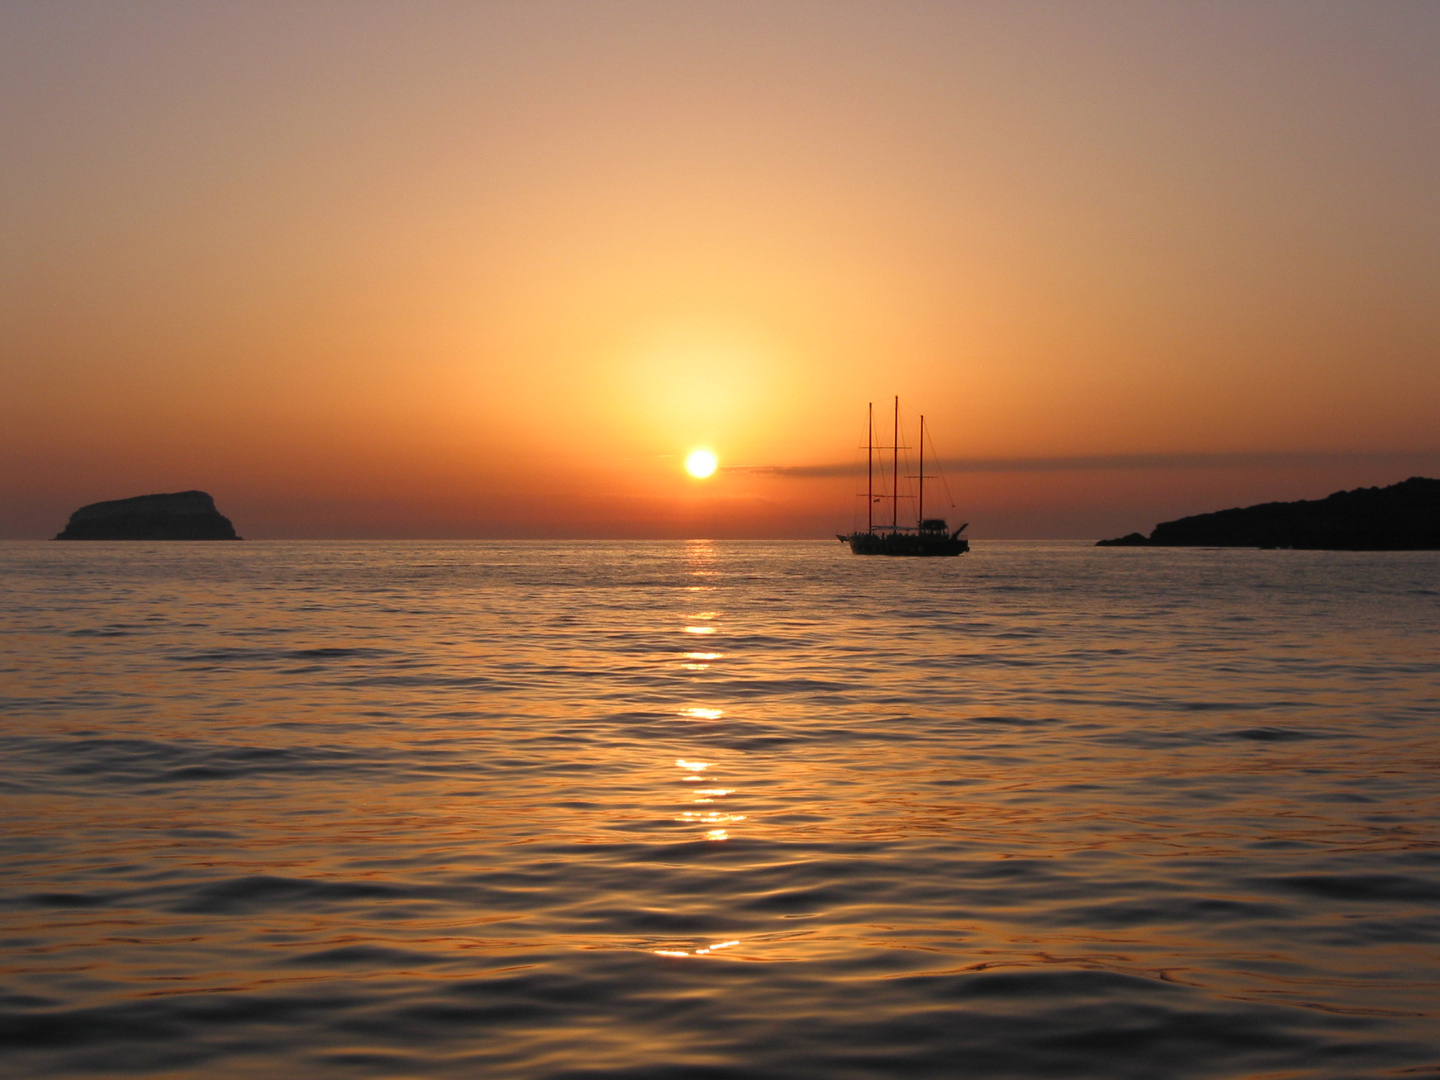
740, 811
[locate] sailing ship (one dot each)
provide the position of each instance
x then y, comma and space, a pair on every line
928, 536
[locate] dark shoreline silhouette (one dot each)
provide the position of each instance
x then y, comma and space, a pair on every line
183, 515
1401, 517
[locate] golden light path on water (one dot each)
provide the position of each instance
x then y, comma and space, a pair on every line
700, 556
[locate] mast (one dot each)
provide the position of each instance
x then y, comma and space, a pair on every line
870, 472
895, 472
920, 503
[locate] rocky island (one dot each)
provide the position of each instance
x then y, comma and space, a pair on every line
184, 515
1401, 517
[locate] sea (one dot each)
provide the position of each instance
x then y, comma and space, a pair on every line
721, 810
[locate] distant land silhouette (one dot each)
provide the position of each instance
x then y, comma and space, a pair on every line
1401, 517
184, 515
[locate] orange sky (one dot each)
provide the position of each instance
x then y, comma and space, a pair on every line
468, 270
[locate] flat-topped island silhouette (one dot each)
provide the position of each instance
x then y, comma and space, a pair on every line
183, 515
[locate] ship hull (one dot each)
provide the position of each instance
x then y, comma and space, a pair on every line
899, 543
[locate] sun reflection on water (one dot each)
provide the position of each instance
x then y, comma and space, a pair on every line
713, 819
700, 556
707, 817
706, 951
699, 661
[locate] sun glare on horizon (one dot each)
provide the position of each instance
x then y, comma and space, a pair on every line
701, 463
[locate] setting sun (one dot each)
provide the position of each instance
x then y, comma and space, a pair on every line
701, 463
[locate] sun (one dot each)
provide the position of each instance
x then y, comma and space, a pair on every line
701, 463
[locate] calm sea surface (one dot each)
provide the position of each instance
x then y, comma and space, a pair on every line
714, 810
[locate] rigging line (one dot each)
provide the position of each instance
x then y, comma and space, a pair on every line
855, 477
941, 472
895, 471
903, 449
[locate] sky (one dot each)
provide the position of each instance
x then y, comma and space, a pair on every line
472, 270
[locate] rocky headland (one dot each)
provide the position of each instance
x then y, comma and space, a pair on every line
184, 515
1401, 517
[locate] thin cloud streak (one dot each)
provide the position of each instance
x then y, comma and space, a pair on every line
1107, 462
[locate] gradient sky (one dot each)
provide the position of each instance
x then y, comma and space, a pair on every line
492, 269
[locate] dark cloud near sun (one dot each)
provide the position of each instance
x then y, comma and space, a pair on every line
1107, 462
